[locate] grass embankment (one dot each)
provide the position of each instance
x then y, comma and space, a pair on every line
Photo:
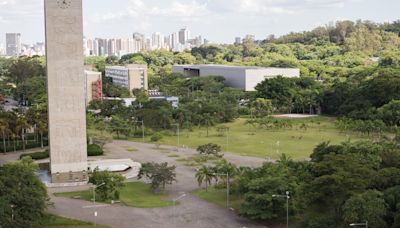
54, 221
244, 139
135, 194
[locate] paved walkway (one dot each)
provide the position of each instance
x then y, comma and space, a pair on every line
191, 212
13, 156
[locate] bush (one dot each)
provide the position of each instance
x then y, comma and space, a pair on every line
94, 150
210, 150
37, 155
156, 137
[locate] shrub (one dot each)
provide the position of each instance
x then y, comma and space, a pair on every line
210, 149
156, 137
37, 155
94, 150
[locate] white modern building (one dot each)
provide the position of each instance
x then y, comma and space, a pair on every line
133, 76
240, 77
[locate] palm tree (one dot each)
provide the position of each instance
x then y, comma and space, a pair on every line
205, 174
4, 128
42, 128
22, 125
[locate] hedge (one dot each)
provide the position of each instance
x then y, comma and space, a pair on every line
37, 155
94, 150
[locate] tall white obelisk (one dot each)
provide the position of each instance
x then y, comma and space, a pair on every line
66, 98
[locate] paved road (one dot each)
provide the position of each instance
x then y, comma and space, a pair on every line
191, 212
13, 156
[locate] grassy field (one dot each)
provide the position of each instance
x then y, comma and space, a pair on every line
134, 194
246, 140
54, 221
218, 196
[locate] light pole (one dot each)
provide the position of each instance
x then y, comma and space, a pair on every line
227, 139
94, 201
137, 121
177, 126
287, 206
227, 186
174, 203
360, 224
12, 211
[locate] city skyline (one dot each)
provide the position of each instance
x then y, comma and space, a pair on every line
176, 41
121, 18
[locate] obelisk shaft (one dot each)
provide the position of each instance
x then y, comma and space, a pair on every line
66, 98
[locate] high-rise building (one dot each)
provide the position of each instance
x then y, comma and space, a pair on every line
157, 41
2, 50
238, 40
174, 40
13, 44
184, 35
141, 41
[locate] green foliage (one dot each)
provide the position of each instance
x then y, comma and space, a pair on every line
261, 107
109, 184
368, 206
24, 68
205, 174
156, 137
392, 199
386, 178
261, 184
94, 150
390, 113
270, 123
159, 174
22, 195
37, 155
289, 94
210, 149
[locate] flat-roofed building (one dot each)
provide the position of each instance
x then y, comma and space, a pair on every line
240, 77
94, 86
133, 76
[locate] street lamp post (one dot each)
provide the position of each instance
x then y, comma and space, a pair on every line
12, 211
178, 128
227, 186
360, 224
174, 203
227, 139
94, 201
287, 206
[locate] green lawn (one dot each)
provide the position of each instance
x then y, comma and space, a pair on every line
218, 196
135, 194
54, 221
246, 140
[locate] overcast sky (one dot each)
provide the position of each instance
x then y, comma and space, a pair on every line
216, 20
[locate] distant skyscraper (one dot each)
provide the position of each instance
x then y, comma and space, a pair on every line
250, 37
2, 50
184, 35
174, 40
13, 44
238, 40
157, 41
